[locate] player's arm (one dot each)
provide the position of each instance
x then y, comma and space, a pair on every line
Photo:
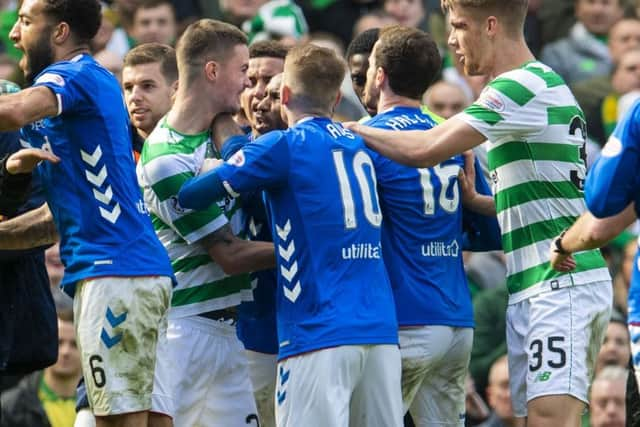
421, 148
27, 106
235, 255
29, 230
588, 232
227, 136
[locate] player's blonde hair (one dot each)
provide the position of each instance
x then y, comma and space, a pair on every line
314, 75
510, 12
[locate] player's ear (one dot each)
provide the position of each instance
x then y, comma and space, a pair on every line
285, 94
61, 33
491, 26
337, 101
211, 70
380, 77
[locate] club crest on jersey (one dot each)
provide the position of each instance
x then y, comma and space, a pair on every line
237, 159
56, 79
491, 99
612, 148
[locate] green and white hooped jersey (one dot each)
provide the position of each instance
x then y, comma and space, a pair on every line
537, 163
167, 160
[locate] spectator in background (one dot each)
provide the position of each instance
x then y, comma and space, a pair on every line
624, 79
623, 36
236, 12
608, 406
583, 53
616, 348
377, 18
154, 21
499, 396
280, 20
446, 99
408, 13
47, 398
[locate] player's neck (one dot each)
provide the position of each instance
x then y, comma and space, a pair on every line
513, 53
67, 53
390, 100
189, 115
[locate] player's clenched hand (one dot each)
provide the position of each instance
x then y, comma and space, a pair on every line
561, 262
209, 164
352, 126
25, 160
467, 179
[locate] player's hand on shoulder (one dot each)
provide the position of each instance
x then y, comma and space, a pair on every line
25, 160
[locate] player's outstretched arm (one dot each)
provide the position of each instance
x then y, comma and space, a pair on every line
199, 192
27, 106
29, 230
25, 160
588, 232
237, 256
421, 148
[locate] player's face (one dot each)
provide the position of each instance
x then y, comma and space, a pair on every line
371, 92
268, 115
155, 24
260, 72
468, 42
607, 403
232, 79
358, 66
147, 95
31, 34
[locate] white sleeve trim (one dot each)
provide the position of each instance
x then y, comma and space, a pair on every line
230, 190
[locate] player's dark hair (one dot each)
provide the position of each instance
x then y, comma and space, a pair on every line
363, 42
410, 58
268, 49
150, 53
82, 16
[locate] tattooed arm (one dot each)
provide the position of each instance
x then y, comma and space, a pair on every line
236, 255
29, 230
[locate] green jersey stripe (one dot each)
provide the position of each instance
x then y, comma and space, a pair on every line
539, 273
195, 220
513, 90
563, 115
484, 114
532, 233
217, 289
170, 186
551, 78
518, 150
190, 263
535, 190
157, 223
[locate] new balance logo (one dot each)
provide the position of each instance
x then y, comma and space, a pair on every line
104, 196
543, 376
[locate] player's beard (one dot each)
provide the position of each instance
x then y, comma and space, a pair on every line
38, 57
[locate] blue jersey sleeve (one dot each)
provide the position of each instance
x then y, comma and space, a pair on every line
613, 181
65, 83
261, 164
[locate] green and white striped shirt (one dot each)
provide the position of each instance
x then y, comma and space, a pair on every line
167, 160
537, 163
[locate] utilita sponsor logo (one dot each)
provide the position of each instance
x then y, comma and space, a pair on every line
441, 249
361, 251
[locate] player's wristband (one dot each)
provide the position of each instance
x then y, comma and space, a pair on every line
558, 244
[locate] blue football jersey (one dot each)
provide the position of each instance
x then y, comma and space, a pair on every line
93, 192
320, 185
256, 326
422, 231
613, 182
